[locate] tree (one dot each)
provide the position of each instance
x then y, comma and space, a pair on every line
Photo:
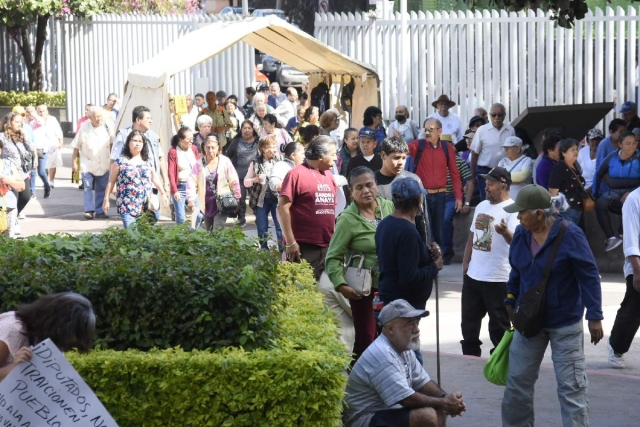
18, 15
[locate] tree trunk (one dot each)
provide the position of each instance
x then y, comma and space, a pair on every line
33, 63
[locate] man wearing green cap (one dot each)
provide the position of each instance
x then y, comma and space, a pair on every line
573, 285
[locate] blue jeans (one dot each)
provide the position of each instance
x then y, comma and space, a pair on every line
180, 207
447, 226
270, 205
91, 203
41, 172
482, 170
436, 206
525, 356
127, 220
573, 215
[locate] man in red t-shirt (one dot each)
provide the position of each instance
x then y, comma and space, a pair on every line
306, 207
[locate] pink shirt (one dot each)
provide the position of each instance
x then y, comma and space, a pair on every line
11, 334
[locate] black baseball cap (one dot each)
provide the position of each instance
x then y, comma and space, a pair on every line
498, 174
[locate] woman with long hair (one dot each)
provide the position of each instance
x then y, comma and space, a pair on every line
182, 157
67, 319
133, 175
211, 177
242, 151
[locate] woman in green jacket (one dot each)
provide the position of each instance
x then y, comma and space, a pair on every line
354, 234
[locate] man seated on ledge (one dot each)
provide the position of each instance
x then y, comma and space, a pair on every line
388, 387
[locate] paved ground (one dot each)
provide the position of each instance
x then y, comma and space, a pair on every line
613, 393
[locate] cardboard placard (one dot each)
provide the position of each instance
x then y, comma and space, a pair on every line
47, 391
181, 104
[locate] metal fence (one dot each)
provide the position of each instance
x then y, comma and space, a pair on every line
478, 58
90, 58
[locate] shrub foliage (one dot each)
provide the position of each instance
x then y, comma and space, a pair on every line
299, 382
153, 286
50, 99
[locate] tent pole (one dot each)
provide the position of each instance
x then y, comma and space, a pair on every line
245, 7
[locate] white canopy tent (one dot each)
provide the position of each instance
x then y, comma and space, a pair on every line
148, 81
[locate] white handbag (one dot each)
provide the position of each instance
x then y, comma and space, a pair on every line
358, 278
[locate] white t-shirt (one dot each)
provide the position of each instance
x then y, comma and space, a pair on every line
519, 165
451, 125
587, 164
490, 254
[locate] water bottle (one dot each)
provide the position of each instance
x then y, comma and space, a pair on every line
377, 302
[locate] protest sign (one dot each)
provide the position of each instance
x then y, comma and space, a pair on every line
48, 392
181, 104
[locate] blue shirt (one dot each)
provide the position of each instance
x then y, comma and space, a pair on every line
622, 174
604, 149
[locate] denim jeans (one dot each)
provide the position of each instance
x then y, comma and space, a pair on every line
41, 172
93, 199
602, 211
127, 220
573, 215
270, 205
436, 206
525, 356
482, 170
181, 206
447, 226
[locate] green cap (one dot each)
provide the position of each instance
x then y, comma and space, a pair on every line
530, 197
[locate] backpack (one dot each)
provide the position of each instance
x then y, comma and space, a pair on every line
320, 97
412, 164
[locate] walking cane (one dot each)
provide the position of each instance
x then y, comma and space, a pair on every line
437, 332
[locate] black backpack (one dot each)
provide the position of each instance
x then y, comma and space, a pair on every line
421, 142
320, 97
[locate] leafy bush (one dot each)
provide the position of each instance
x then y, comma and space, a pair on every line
153, 286
300, 382
50, 99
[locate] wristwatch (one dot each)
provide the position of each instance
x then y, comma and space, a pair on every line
466, 203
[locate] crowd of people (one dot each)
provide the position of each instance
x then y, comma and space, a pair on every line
371, 210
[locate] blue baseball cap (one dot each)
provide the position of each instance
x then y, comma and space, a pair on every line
368, 133
628, 107
406, 189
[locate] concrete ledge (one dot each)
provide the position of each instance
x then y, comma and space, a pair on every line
608, 262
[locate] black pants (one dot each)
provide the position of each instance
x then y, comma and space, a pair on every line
315, 256
478, 299
25, 195
627, 320
242, 203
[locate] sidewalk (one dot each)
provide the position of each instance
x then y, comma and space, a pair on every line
613, 393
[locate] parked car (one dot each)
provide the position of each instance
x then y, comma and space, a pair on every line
289, 76
270, 67
230, 10
266, 12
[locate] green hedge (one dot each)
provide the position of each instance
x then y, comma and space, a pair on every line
153, 286
300, 382
50, 99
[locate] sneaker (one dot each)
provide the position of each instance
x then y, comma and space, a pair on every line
616, 360
88, 215
47, 193
21, 215
612, 243
101, 216
241, 223
52, 184
81, 187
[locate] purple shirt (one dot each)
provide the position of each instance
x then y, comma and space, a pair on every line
543, 172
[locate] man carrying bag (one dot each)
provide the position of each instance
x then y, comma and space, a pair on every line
554, 277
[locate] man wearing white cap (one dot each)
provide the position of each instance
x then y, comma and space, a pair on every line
388, 387
517, 163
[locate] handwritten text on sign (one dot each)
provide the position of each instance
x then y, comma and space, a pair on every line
47, 391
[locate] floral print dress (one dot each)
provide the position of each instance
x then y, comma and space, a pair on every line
133, 185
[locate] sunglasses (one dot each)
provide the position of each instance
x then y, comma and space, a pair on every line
497, 114
431, 130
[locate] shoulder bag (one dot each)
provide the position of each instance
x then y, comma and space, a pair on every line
255, 190
358, 278
225, 199
529, 315
588, 204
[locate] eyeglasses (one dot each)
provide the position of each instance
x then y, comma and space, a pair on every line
497, 114
430, 130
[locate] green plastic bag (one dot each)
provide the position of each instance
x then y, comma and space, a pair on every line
497, 367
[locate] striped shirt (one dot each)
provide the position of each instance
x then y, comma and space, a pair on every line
380, 379
465, 175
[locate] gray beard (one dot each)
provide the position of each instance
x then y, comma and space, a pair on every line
414, 345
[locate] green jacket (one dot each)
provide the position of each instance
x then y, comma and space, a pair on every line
354, 234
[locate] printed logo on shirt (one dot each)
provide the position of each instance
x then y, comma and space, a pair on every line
325, 197
483, 233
